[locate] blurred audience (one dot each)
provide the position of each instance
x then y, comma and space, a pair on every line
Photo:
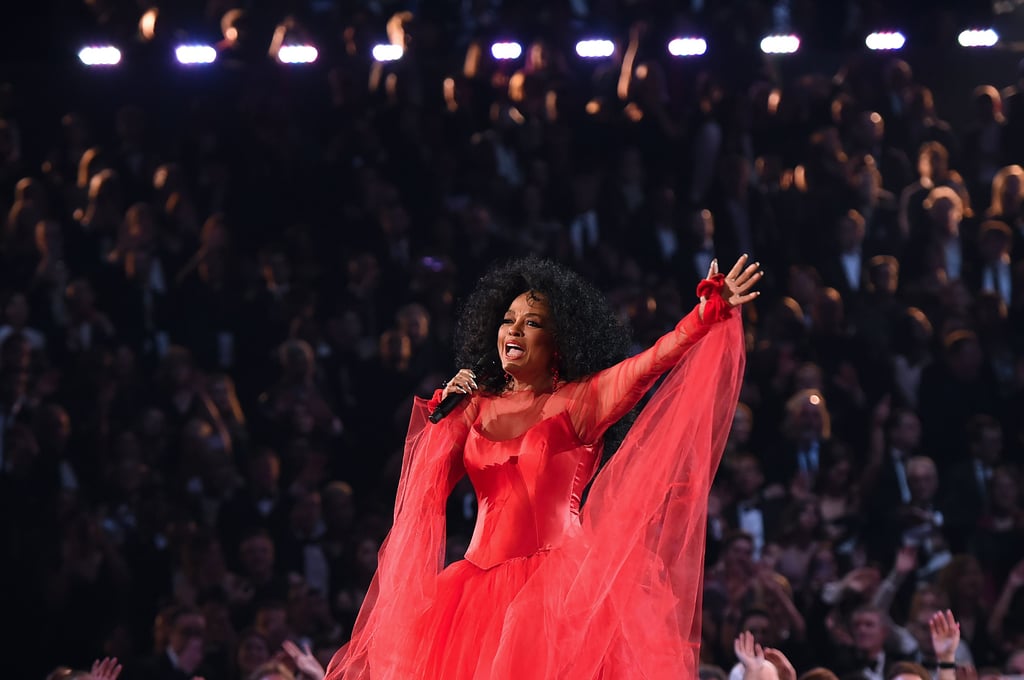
217, 308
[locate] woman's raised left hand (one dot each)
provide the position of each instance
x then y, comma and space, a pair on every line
739, 283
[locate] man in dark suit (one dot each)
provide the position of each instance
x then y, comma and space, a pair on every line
743, 216
753, 511
889, 488
698, 248
181, 656
943, 240
807, 432
871, 654
657, 239
969, 479
994, 269
844, 268
951, 393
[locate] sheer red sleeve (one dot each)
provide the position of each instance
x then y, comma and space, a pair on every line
646, 515
603, 398
412, 555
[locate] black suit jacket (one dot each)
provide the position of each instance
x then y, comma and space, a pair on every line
771, 515
882, 501
833, 274
783, 464
966, 503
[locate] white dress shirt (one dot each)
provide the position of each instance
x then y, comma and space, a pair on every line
851, 268
584, 233
998, 278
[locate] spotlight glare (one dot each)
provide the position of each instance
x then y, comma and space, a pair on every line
885, 40
595, 49
190, 55
978, 38
687, 47
506, 50
780, 44
387, 52
100, 55
297, 54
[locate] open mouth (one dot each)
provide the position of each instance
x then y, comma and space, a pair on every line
514, 350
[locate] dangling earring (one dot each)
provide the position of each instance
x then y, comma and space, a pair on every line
508, 377
554, 373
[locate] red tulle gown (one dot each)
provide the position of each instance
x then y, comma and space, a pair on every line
547, 591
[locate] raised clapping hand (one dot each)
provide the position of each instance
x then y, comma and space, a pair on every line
751, 655
740, 281
945, 635
107, 669
304, 660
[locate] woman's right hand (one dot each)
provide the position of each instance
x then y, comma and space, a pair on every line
464, 382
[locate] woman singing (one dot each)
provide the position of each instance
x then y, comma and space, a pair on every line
551, 587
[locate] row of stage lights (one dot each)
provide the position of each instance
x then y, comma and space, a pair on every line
193, 55
199, 54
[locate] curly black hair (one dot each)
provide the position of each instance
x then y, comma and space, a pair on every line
587, 333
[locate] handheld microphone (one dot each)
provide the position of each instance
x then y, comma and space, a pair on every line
453, 399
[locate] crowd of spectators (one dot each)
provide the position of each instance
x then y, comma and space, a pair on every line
212, 327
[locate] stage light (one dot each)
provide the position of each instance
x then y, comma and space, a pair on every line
687, 47
297, 54
387, 52
885, 40
100, 55
780, 44
978, 38
595, 49
191, 55
506, 50
291, 44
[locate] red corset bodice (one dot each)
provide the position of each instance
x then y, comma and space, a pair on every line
528, 489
